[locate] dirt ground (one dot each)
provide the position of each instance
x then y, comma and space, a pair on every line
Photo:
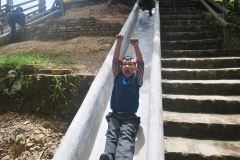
34, 136
84, 55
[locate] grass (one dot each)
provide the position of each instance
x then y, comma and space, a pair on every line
65, 61
56, 54
17, 61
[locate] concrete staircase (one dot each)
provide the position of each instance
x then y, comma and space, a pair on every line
201, 88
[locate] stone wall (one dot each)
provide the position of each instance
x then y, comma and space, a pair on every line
69, 28
57, 92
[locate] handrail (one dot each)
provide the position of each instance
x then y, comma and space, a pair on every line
34, 11
20, 4
223, 22
30, 1
38, 16
155, 144
33, 6
224, 10
33, 21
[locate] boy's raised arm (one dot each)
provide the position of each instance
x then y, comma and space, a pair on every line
119, 39
140, 63
116, 61
134, 43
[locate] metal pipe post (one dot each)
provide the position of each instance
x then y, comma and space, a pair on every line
41, 6
10, 2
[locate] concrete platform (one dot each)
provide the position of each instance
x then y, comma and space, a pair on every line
201, 63
199, 53
201, 87
202, 126
202, 104
200, 74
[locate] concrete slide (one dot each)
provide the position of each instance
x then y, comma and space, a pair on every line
85, 138
144, 31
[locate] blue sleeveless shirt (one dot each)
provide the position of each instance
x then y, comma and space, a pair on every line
125, 94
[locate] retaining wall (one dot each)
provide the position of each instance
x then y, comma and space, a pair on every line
49, 91
69, 28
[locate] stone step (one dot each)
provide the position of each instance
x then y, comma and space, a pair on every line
173, 36
201, 63
202, 126
181, 17
186, 28
201, 104
181, 12
177, 148
199, 53
177, 2
179, 8
200, 74
201, 87
192, 44
190, 24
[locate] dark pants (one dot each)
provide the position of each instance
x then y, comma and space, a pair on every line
12, 19
121, 134
146, 5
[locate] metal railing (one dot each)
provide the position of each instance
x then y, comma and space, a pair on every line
39, 8
223, 21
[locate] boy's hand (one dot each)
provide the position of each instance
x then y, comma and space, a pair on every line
134, 41
119, 37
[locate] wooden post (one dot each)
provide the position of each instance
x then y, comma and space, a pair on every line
41, 6
225, 31
63, 12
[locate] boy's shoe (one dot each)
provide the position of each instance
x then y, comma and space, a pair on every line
104, 156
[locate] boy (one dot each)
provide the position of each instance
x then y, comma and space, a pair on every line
122, 121
15, 16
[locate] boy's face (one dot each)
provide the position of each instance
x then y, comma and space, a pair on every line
128, 67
